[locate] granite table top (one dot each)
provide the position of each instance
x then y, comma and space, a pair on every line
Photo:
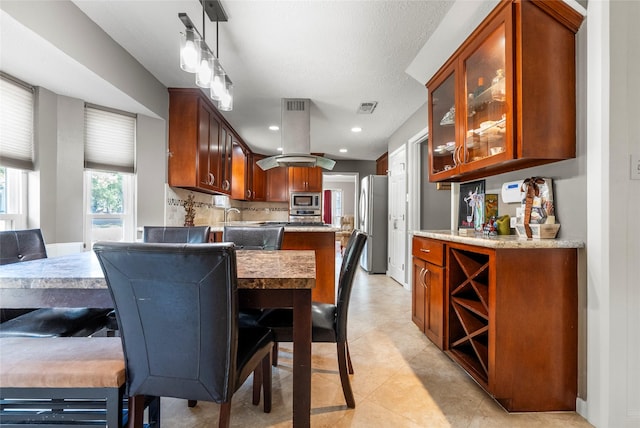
81, 274
500, 241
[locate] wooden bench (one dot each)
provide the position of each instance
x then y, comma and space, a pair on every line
74, 381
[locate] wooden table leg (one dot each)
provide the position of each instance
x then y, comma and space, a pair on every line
136, 411
302, 358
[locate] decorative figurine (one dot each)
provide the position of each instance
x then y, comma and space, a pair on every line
190, 211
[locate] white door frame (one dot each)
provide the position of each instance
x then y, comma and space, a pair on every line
414, 162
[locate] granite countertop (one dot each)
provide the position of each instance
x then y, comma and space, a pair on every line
287, 227
500, 241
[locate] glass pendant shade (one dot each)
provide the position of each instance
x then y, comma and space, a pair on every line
189, 51
218, 81
226, 100
204, 75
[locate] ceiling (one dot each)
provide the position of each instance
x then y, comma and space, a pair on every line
336, 53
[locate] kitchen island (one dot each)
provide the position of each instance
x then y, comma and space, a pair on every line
320, 238
506, 310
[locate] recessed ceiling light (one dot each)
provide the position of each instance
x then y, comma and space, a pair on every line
279, 149
343, 150
274, 127
356, 129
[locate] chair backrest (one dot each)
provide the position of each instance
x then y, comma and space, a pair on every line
177, 309
350, 262
176, 234
21, 246
254, 238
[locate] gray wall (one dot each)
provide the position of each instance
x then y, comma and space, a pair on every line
361, 167
55, 187
435, 205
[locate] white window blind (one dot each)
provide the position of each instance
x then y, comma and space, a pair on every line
16, 124
109, 140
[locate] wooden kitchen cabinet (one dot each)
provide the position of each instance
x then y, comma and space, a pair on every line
428, 289
200, 143
240, 175
506, 315
277, 184
305, 179
512, 323
506, 98
258, 179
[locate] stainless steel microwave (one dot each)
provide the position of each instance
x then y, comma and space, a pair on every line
305, 201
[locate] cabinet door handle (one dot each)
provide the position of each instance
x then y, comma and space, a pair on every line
427, 271
249, 194
225, 185
212, 179
424, 250
423, 272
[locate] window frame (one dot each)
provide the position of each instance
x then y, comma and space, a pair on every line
16, 202
128, 216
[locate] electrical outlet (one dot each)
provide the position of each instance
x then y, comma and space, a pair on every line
512, 222
635, 167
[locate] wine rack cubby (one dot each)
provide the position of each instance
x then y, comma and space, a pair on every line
469, 311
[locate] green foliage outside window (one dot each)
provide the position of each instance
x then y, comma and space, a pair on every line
106, 193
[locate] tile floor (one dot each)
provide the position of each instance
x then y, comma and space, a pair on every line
400, 380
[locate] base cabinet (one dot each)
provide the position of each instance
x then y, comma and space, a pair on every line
511, 321
428, 289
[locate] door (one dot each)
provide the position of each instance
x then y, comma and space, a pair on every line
397, 215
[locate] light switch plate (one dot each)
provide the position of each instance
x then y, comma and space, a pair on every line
635, 167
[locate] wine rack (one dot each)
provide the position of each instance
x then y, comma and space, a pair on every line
469, 311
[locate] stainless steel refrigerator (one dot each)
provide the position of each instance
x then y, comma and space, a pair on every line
373, 221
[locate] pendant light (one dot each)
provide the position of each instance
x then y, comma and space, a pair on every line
196, 57
190, 50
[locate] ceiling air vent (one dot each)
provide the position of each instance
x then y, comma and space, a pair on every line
295, 105
367, 108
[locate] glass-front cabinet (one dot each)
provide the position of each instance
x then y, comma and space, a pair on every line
469, 115
443, 130
485, 104
506, 98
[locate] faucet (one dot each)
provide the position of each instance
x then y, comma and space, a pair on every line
227, 211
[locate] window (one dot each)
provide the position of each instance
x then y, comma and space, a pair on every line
336, 206
13, 199
16, 150
109, 140
109, 207
16, 123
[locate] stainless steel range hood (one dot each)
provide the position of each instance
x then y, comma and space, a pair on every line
296, 140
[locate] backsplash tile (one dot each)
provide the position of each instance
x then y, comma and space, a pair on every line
208, 214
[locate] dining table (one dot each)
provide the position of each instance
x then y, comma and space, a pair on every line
281, 278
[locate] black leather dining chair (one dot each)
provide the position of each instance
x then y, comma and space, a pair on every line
20, 246
329, 322
254, 238
177, 307
166, 235
176, 234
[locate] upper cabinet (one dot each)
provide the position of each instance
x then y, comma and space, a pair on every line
258, 179
382, 164
305, 179
200, 143
277, 184
506, 98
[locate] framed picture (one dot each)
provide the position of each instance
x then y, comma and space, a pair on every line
471, 205
490, 205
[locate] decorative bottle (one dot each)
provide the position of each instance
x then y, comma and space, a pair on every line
498, 87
